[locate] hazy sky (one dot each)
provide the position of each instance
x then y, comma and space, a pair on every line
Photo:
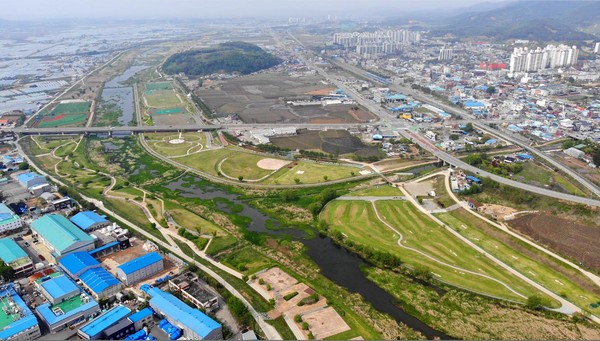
39, 9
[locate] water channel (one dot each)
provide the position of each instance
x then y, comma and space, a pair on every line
121, 96
336, 263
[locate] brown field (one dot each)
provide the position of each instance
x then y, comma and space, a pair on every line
330, 141
569, 238
325, 322
172, 119
261, 98
593, 174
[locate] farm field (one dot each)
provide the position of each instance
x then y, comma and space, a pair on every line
258, 98
64, 114
330, 141
536, 270
358, 221
540, 175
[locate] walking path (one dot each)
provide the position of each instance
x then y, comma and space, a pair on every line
370, 198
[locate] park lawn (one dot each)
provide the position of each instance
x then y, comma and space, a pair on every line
160, 143
377, 191
312, 173
66, 149
206, 161
423, 234
442, 195
47, 162
387, 164
46, 144
543, 274
283, 329
247, 261
191, 221
536, 174
71, 108
221, 243
243, 164
358, 221
155, 208
127, 192
162, 99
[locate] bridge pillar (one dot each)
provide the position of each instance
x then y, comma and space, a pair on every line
110, 133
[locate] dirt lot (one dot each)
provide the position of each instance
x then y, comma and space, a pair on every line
260, 99
593, 174
564, 236
496, 211
172, 119
330, 141
325, 322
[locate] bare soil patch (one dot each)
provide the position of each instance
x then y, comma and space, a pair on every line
567, 237
271, 164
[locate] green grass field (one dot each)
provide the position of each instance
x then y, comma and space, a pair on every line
309, 173
71, 108
159, 86
536, 174
378, 191
244, 164
221, 243
359, 222
191, 221
67, 120
160, 142
162, 99
468, 224
247, 261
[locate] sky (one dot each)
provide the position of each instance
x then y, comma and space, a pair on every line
134, 9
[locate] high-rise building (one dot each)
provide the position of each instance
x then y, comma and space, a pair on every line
597, 48
446, 54
525, 60
387, 41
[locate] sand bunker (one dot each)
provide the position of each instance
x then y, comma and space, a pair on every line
271, 164
177, 141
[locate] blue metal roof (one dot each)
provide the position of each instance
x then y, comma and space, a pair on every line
189, 317
51, 318
472, 178
103, 247
141, 314
104, 321
10, 251
87, 219
59, 286
473, 104
21, 324
23, 178
77, 262
98, 280
140, 262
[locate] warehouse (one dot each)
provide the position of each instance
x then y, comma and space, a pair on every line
60, 235
140, 268
89, 221
58, 289
8, 219
96, 329
14, 256
16, 319
31, 179
142, 318
78, 308
80, 265
195, 324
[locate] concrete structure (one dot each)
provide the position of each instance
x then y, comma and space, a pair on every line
142, 318
75, 310
39, 189
195, 324
60, 235
89, 221
445, 54
190, 288
58, 289
31, 179
14, 256
80, 265
17, 322
525, 60
573, 152
8, 219
96, 329
140, 268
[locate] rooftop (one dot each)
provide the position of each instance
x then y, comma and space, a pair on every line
59, 231
87, 219
140, 314
191, 318
104, 321
11, 252
75, 262
55, 314
17, 321
140, 262
59, 286
98, 279
28, 176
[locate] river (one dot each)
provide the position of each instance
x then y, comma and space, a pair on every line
336, 263
115, 93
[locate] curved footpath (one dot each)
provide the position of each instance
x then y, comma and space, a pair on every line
270, 332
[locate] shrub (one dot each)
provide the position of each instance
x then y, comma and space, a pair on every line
297, 318
290, 296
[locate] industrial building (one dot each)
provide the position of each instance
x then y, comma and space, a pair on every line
97, 328
81, 266
31, 179
60, 235
14, 256
191, 289
142, 318
89, 221
67, 305
195, 324
17, 322
140, 268
8, 219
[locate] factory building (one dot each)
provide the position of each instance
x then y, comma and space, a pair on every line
140, 268
31, 179
67, 304
98, 327
8, 219
81, 266
60, 235
14, 256
89, 221
17, 322
195, 324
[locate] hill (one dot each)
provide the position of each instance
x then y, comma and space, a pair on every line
535, 20
229, 57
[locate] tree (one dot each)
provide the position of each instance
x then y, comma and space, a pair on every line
305, 326
454, 137
534, 302
568, 144
296, 180
6, 272
241, 178
325, 177
491, 90
297, 318
596, 157
23, 166
468, 127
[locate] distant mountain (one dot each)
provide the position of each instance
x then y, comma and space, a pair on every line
535, 20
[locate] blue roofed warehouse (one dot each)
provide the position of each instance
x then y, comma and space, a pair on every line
89, 221
140, 268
